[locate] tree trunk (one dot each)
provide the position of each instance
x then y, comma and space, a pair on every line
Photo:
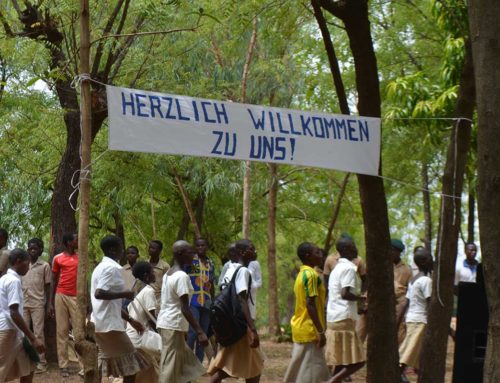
274, 320
433, 356
471, 217
187, 204
485, 34
382, 356
335, 214
427, 205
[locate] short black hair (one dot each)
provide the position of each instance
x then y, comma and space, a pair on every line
417, 248
159, 243
242, 244
343, 243
67, 238
4, 233
18, 255
110, 242
421, 257
140, 269
200, 239
304, 249
36, 241
470, 244
133, 247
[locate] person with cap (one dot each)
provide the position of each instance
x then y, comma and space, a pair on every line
402, 277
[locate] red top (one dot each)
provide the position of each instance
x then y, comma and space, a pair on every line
67, 267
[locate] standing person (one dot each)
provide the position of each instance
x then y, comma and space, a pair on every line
132, 254
308, 322
4, 252
178, 363
402, 277
255, 271
64, 269
417, 303
143, 309
242, 359
466, 270
14, 361
201, 272
117, 355
160, 268
231, 255
344, 348
36, 293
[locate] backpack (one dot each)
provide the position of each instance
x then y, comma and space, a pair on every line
226, 316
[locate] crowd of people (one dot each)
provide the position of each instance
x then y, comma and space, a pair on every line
156, 322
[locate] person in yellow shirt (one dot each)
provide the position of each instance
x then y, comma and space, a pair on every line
308, 322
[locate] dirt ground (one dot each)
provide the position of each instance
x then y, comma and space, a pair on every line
277, 354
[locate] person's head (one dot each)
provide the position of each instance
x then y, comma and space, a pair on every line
346, 248
423, 260
470, 251
245, 251
132, 254
35, 248
155, 248
310, 254
183, 253
19, 261
4, 237
201, 246
418, 248
144, 271
112, 247
232, 253
70, 241
397, 247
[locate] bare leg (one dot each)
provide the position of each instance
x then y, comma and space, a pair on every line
255, 379
27, 378
217, 377
345, 371
129, 379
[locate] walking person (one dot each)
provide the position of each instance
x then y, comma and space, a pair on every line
402, 277
344, 348
308, 362
417, 302
36, 293
160, 267
202, 274
14, 360
242, 359
117, 355
62, 303
178, 363
132, 254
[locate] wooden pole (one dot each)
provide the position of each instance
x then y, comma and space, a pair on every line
86, 349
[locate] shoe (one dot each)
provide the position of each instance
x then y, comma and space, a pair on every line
41, 368
64, 372
81, 373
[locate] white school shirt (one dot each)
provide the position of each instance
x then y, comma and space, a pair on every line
418, 293
107, 314
464, 273
223, 272
343, 275
173, 287
145, 300
11, 293
242, 281
254, 268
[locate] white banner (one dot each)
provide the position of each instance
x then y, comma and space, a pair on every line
141, 121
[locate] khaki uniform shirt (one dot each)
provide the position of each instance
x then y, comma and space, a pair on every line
402, 276
159, 269
128, 276
34, 282
4, 260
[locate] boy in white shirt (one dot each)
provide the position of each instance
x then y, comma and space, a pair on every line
117, 354
14, 361
417, 301
344, 348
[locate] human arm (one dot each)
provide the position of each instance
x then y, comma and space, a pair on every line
243, 298
347, 284
134, 323
313, 313
107, 295
186, 311
18, 320
52, 294
348, 295
254, 268
402, 313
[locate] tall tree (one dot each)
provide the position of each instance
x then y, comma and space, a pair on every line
485, 34
382, 359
